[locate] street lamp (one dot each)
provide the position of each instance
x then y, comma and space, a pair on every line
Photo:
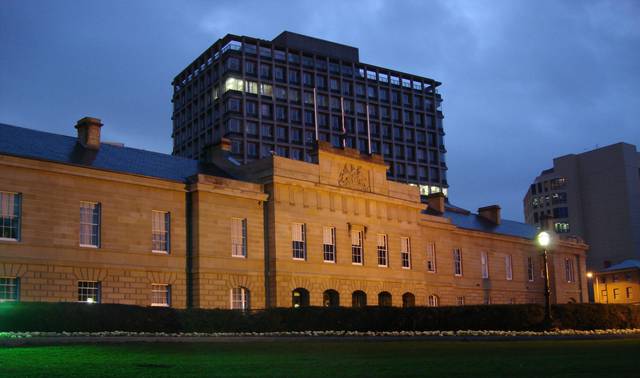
543, 240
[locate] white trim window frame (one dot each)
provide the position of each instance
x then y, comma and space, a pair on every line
160, 295
357, 248
89, 291
457, 262
298, 241
383, 250
160, 231
9, 289
460, 300
90, 224
329, 244
484, 264
431, 258
569, 273
530, 269
433, 301
10, 216
508, 267
239, 297
405, 252
239, 237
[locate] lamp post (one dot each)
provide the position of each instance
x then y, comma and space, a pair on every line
543, 240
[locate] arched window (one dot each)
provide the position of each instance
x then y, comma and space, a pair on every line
330, 298
408, 300
433, 300
384, 299
359, 299
300, 297
240, 298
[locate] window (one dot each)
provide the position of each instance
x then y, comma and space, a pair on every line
484, 264
298, 238
405, 252
356, 247
568, 270
508, 268
616, 293
629, 292
89, 291
457, 262
530, 269
329, 244
603, 294
431, 257
9, 289
9, 216
160, 295
89, 224
239, 298
382, 250
460, 300
238, 237
160, 223
433, 300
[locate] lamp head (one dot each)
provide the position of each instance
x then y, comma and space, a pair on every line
543, 239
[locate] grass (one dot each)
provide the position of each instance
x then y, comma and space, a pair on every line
317, 358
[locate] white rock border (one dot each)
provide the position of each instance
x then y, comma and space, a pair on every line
461, 333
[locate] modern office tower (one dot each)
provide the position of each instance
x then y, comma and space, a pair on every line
281, 96
595, 195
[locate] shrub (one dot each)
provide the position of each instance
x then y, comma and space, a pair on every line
81, 317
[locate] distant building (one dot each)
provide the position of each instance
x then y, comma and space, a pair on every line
86, 221
594, 195
281, 96
620, 283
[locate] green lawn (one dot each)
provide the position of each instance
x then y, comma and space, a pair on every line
329, 359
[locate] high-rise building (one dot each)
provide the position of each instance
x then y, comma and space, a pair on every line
281, 96
595, 195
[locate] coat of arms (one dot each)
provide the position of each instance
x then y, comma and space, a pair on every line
354, 178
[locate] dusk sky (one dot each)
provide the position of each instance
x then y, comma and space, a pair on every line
523, 81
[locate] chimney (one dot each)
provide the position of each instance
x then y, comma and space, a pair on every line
490, 213
435, 201
89, 132
217, 151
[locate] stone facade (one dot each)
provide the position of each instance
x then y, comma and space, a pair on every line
344, 190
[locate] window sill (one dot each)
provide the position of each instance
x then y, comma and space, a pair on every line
9, 240
299, 259
88, 246
159, 305
355, 263
330, 261
431, 271
383, 266
160, 252
406, 267
239, 256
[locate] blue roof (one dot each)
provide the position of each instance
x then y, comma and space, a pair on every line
475, 222
626, 264
28, 143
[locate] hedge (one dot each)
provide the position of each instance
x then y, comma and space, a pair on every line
81, 317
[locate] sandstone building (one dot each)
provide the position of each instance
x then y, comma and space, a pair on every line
82, 220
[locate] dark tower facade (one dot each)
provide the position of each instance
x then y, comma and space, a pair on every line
280, 96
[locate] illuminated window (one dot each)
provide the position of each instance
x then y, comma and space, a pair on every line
238, 237
252, 87
433, 300
405, 252
457, 262
508, 268
9, 216
89, 291
431, 257
160, 295
9, 289
484, 264
329, 244
160, 226
383, 260
233, 84
356, 247
239, 298
298, 237
89, 224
